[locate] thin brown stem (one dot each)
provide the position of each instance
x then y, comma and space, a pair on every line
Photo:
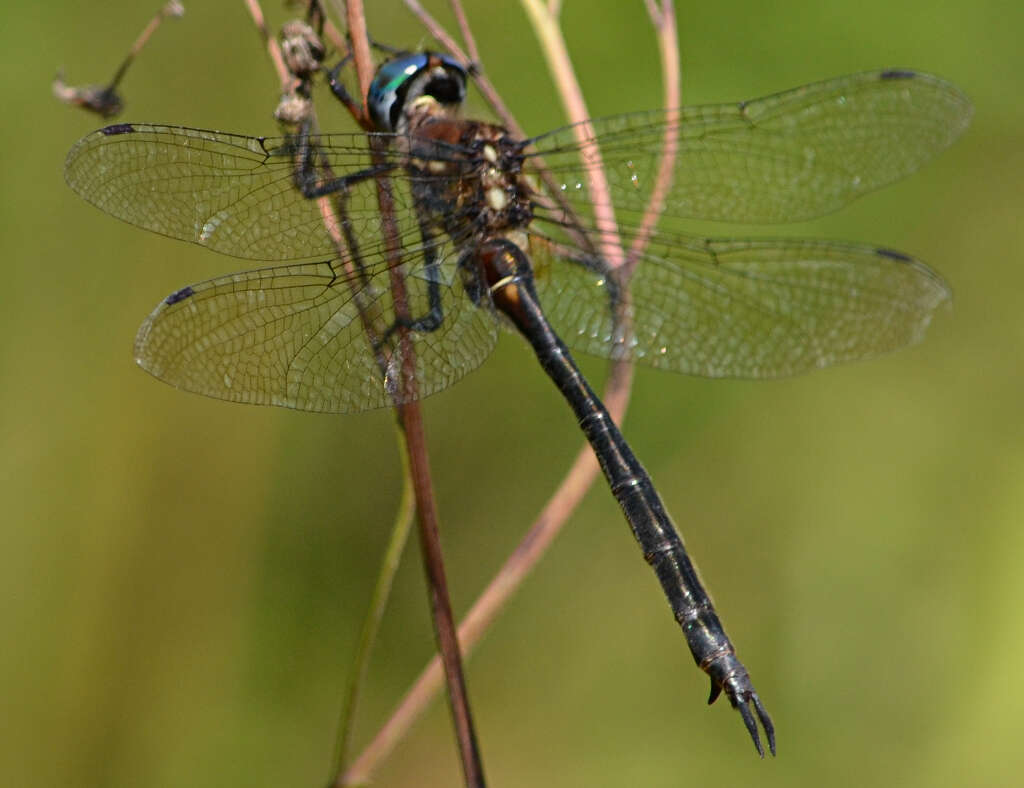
444, 621
411, 420
664, 21
172, 9
409, 414
467, 32
360, 42
331, 32
577, 480
284, 76
437, 30
498, 592
374, 615
104, 99
560, 65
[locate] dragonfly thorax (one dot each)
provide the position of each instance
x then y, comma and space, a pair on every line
467, 176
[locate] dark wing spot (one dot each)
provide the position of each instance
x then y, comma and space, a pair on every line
181, 295
892, 253
118, 128
898, 74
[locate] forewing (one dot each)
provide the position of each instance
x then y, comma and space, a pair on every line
233, 194
786, 157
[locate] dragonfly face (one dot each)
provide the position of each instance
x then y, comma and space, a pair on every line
404, 80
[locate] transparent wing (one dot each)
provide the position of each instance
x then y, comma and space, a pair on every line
786, 157
743, 308
233, 194
297, 336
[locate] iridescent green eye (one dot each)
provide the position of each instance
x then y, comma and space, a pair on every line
422, 74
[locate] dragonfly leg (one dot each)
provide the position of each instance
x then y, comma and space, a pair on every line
432, 319
429, 322
340, 91
311, 186
309, 178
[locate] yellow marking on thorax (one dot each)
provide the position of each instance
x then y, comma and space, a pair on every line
496, 198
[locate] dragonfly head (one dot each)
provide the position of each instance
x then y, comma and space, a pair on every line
406, 79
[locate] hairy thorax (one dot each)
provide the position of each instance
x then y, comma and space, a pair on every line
467, 177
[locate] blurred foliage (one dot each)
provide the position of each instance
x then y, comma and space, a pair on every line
184, 579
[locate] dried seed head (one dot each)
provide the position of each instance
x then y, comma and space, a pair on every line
302, 49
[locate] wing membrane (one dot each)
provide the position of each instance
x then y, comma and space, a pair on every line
745, 308
294, 336
302, 334
786, 157
233, 194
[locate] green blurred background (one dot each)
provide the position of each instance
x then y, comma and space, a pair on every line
183, 579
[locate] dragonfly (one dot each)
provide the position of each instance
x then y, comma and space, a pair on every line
488, 231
